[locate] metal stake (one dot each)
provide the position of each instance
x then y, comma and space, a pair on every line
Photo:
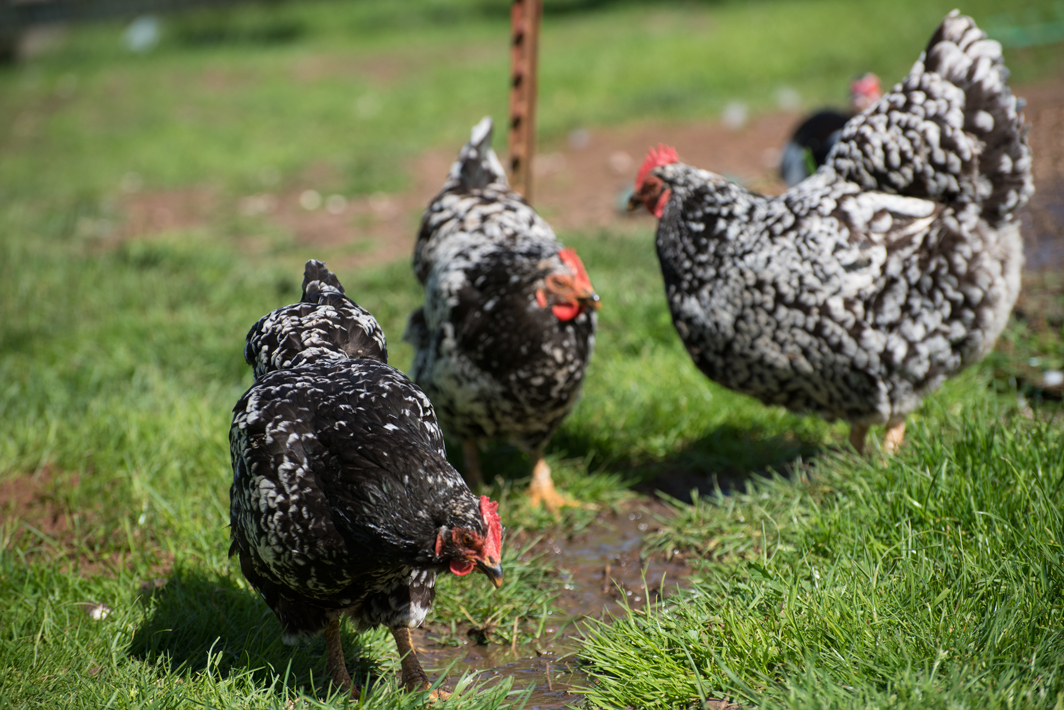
524, 51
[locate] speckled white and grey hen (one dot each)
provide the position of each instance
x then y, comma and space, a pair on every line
506, 332
343, 502
861, 289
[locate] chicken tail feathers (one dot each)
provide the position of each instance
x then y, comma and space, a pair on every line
317, 279
951, 131
477, 165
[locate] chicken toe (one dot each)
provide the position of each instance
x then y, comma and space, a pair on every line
542, 490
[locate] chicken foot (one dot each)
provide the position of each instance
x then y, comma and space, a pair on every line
894, 436
413, 675
891, 439
542, 489
334, 659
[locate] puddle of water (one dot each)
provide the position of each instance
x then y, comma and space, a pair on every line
553, 669
599, 565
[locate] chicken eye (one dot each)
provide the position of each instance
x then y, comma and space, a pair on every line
557, 283
467, 539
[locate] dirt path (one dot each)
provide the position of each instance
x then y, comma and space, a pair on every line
579, 185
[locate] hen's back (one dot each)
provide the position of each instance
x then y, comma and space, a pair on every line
951, 131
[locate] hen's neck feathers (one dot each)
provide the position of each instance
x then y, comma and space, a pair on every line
715, 195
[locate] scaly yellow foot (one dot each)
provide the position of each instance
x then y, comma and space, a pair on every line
542, 491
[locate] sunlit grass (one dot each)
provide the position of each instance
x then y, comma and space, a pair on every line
932, 579
120, 360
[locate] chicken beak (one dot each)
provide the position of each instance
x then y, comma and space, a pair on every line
494, 573
634, 202
589, 299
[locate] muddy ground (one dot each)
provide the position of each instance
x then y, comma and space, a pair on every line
603, 572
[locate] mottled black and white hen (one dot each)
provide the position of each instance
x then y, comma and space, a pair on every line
864, 287
506, 332
343, 502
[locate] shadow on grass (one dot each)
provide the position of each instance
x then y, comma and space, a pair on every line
202, 622
499, 460
725, 458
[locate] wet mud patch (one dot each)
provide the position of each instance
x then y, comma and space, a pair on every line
602, 572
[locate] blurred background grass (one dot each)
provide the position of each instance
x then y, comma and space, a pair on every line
361, 86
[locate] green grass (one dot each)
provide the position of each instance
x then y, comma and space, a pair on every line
934, 579
120, 360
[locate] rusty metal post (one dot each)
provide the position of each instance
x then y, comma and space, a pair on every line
524, 51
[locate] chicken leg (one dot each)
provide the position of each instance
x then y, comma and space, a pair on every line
858, 434
413, 675
542, 489
334, 659
892, 438
471, 466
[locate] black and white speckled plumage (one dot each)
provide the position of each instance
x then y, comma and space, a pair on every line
861, 289
324, 325
494, 361
340, 482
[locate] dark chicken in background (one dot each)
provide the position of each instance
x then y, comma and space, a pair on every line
808, 148
343, 502
861, 289
504, 338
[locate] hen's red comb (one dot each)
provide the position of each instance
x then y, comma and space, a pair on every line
866, 85
489, 510
656, 157
570, 259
